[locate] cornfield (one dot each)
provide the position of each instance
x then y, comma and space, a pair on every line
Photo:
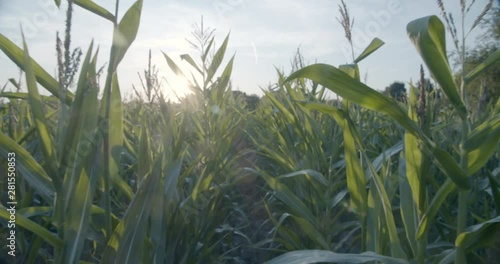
218, 178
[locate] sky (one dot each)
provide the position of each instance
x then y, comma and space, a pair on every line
264, 35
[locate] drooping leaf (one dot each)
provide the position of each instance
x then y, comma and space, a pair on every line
16, 54
316, 256
28, 168
483, 66
428, 36
482, 143
481, 234
372, 47
354, 91
33, 227
190, 60
351, 70
96, 9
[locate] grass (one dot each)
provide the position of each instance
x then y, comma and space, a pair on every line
220, 178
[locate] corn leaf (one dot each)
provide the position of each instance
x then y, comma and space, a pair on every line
217, 60
115, 133
479, 234
37, 110
414, 156
351, 70
448, 165
372, 47
28, 168
407, 206
42, 77
124, 35
342, 84
33, 227
127, 242
190, 60
173, 66
431, 212
284, 194
315, 256
80, 196
96, 9
223, 81
482, 143
428, 36
483, 66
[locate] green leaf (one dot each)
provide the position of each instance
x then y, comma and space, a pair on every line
448, 165
342, 84
283, 193
78, 214
307, 173
495, 191
127, 241
483, 66
145, 156
311, 231
125, 34
80, 196
479, 234
173, 66
407, 206
217, 60
38, 112
373, 46
315, 256
428, 36
115, 132
190, 60
482, 143
351, 70
431, 212
33, 227
73, 130
96, 9
158, 217
223, 81
42, 77
58, 3
32, 172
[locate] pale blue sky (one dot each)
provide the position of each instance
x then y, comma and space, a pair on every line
264, 34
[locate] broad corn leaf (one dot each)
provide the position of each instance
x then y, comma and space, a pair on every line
354, 91
483, 66
42, 77
319, 256
428, 36
38, 111
95, 8
372, 47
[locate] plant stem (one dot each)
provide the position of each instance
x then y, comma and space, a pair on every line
460, 256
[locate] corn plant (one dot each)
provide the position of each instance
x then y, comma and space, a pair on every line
419, 207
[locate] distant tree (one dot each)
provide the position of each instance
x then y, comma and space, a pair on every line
397, 91
251, 101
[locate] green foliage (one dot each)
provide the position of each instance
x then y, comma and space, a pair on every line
225, 177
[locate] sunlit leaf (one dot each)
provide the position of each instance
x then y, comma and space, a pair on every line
372, 47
